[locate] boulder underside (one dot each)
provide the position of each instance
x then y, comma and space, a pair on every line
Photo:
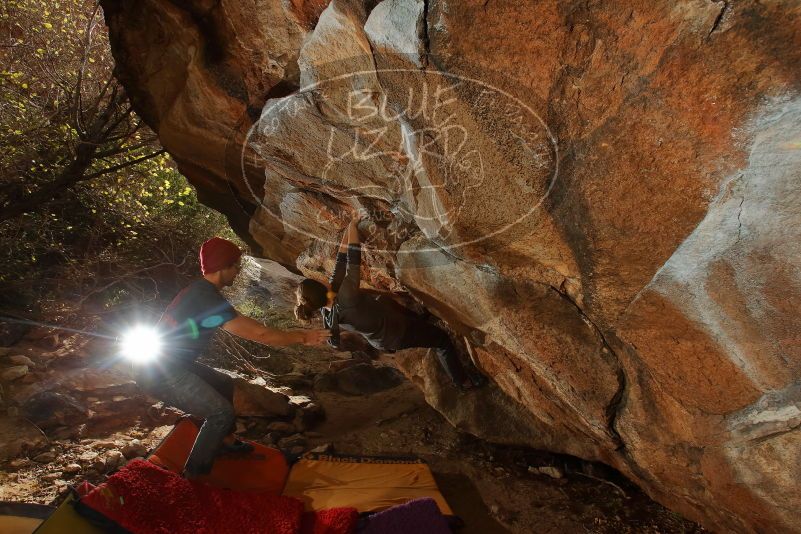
602, 198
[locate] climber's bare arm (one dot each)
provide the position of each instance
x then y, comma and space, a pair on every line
253, 330
353, 230
343, 243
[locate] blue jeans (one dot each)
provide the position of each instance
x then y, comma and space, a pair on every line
184, 389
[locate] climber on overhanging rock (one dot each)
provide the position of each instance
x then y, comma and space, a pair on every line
189, 323
385, 324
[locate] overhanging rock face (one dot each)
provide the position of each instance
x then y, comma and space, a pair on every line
606, 200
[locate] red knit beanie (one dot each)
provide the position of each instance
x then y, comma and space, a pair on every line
217, 254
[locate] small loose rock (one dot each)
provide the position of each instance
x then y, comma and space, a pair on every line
300, 400
45, 457
134, 448
113, 460
280, 426
20, 359
88, 456
19, 463
547, 470
52, 476
72, 469
14, 373
292, 441
104, 445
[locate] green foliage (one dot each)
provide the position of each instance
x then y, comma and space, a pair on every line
108, 242
113, 232
54, 58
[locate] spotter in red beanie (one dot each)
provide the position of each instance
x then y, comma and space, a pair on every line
216, 254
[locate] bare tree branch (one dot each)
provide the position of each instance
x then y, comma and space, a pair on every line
78, 104
120, 148
117, 122
123, 278
101, 94
124, 165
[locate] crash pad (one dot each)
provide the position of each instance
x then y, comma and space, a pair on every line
366, 483
65, 519
263, 469
22, 518
143, 497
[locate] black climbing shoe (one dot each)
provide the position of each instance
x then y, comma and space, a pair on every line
467, 385
472, 382
479, 380
236, 447
192, 472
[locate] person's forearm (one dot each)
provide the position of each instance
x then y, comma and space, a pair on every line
253, 330
343, 243
268, 336
353, 232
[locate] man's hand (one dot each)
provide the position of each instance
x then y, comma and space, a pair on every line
315, 337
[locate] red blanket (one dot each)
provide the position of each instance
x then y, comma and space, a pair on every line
144, 499
330, 521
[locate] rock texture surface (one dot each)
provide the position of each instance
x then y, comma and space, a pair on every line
604, 198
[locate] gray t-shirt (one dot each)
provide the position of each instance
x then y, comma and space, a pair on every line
377, 317
191, 319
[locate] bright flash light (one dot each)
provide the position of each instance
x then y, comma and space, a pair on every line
141, 344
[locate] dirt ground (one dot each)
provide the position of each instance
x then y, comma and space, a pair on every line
493, 489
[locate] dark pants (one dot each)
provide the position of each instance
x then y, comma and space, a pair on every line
421, 333
202, 392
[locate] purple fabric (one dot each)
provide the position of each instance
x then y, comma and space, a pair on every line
421, 516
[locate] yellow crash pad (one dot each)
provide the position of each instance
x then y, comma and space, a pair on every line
368, 484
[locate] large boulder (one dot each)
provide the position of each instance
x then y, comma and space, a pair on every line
52, 409
360, 379
602, 197
258, 401
487, 412
18, 436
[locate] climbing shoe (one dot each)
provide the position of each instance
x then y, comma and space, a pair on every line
472, 382
193, 471
479, 380
236, 447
